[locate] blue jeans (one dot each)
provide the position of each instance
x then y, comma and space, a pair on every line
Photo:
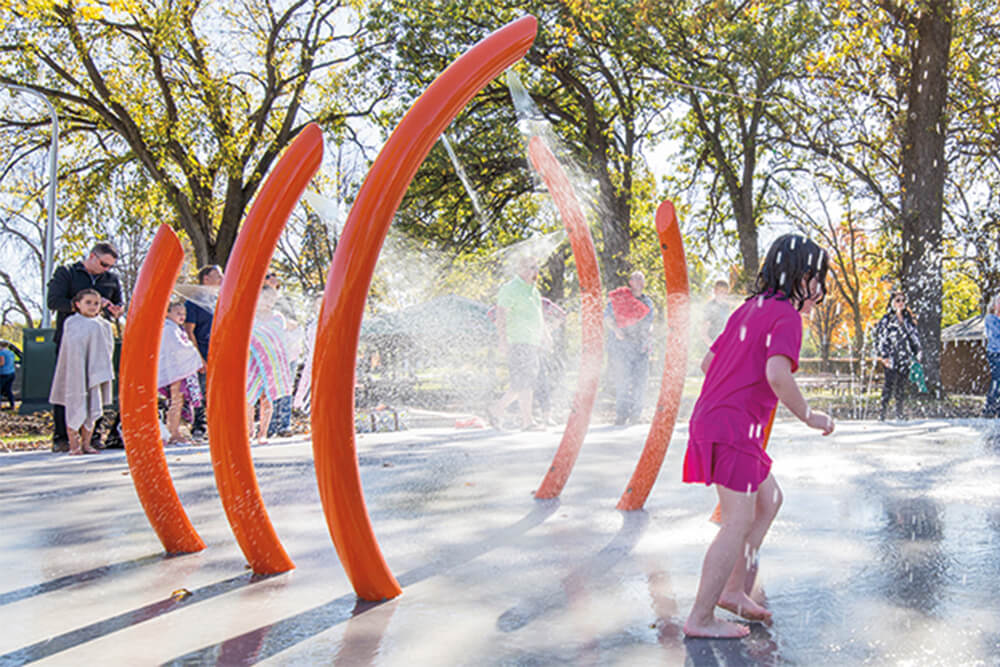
993, 394
6, 387
281, 422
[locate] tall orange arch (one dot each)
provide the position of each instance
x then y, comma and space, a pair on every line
137, 395
347, 285
226, 407
592, 328
674, 363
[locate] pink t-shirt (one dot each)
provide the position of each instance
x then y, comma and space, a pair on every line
736, 401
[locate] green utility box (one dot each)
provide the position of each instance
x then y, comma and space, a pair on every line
38, 363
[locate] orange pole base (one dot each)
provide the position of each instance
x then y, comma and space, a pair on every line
674, 363
339, 323
137, 395
226, 407
592, 354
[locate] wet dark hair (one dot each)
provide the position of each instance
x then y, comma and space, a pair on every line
791, 258
82, 293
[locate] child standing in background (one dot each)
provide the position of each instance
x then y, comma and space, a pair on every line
747, 370
177, 377
84, 370
7, 372
269, 375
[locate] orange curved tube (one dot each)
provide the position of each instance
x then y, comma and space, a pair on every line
674, 363
347, 285
226, 409
717, 514
592, 328
137, 395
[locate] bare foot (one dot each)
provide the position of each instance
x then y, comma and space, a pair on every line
715, 629
87, 449
75, 452
740, 604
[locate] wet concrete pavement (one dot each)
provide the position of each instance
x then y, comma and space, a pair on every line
886, 551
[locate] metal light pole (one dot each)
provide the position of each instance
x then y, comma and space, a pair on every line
50, 229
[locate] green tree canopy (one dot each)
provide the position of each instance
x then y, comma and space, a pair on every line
203, 96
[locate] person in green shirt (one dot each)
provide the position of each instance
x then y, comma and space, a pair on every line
522, 334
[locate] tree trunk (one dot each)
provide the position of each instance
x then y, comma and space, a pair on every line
746, 228
616, 224
923, 168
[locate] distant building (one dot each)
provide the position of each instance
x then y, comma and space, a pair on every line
963, 357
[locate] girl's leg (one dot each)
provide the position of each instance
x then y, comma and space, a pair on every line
174, 412
250, 408
266, 410
85, 434
720, 559
736, 595
74, 441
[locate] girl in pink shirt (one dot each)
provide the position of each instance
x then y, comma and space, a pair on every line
747, 370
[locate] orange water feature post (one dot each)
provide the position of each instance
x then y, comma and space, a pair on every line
674, 363
137, 395
347, 285
592, 326
226, 409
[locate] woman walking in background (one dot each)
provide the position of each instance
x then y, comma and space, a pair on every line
898, 345
992, 322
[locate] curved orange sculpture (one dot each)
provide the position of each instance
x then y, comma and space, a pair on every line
592, 328
674, 363
350, 275
137, 395
226, 409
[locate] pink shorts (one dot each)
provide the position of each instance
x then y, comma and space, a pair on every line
736, 467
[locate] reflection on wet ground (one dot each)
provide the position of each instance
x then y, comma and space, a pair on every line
886, 551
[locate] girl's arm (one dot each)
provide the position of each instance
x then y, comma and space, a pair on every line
707, 361
779, 377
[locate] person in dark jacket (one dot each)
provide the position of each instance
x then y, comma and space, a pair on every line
898, 346
93, 272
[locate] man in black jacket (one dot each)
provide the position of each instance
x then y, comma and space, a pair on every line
93, 272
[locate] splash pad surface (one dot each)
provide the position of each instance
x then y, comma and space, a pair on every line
885, 552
